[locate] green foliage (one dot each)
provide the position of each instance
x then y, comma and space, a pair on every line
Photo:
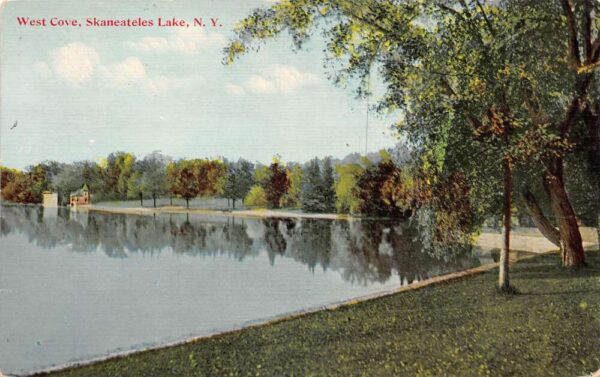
135, 187
292, 196
312, 197
7, 175
318, 193
373, 190
328, 186
191, 178
116, 171
582, 192
346, 200
240, 178
24, 187
256, 197
182, 179
262, 174
153, 174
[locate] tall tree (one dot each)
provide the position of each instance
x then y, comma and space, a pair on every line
210, 176
191, 178
328, 186
312, 184
153, 169
119, 167
292, 197
346, 200
240, 178
25, 187
489, 67
276, 184
318, 187
183, 181
370, 189
135, 186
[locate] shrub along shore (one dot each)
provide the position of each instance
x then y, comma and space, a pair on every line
551, 327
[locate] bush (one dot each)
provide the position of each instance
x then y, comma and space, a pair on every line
256, 197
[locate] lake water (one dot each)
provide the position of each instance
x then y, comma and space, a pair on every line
78, 285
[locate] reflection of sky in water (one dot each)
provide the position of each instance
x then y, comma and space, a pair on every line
76, 286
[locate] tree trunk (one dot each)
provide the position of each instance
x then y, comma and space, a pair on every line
141, 199
171, 199
598, 227
154, 199
571, 245
591, 118
542, 223
233, 203
187, 203
503, 277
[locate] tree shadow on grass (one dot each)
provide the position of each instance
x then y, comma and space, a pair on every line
556, 272
560, 293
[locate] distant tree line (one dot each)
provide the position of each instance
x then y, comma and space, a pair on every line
356, 185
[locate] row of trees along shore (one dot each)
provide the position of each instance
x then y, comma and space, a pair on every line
503, 94
356, 184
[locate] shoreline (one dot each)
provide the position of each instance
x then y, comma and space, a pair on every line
245, 213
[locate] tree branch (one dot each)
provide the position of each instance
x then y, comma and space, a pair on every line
470, 118
587, 30
573, 53
570, 116
542, 223
573, 109
596, 50
485, 17
369, 22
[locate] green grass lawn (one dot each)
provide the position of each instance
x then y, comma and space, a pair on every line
464, 328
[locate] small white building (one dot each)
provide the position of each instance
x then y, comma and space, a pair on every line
50, 199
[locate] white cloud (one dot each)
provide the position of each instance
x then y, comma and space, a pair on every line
280, 79
128, 72
185, 40
258, 84
132, 71
289, 78
75, 62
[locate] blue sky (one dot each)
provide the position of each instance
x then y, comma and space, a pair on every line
80, 93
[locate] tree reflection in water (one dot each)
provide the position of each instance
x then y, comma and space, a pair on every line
361, 251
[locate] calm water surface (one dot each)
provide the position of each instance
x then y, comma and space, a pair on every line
75, 286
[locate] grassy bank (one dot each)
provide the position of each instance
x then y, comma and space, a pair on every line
551, 328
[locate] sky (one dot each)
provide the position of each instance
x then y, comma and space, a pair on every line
80, 93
